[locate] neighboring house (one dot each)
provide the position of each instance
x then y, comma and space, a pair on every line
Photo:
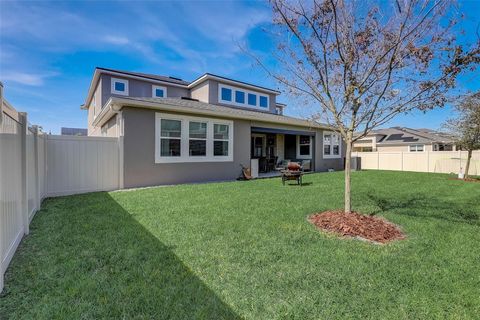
174, 131
73, 131
406, 140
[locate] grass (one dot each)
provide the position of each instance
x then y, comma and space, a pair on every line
245, 250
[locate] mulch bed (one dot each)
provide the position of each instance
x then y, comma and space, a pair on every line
357, 225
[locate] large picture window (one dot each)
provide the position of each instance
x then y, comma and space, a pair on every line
192, 139
332, 147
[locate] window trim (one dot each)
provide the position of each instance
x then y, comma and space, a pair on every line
304, 157
124, 81
331, 155
245, 103
154, 91
416, 147
185, 138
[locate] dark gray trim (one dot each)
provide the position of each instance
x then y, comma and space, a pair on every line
284, 131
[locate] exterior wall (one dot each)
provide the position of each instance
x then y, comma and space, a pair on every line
138, 88
322, 164
213, 96
111, 128
94, 109
139, 155
201, 92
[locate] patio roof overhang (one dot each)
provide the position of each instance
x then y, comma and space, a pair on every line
283, 131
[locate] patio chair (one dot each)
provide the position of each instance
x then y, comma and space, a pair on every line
282, 165
306, 165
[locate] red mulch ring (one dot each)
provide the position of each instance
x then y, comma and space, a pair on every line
357, 225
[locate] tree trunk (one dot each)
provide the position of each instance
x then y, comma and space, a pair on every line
348, 170
467, 166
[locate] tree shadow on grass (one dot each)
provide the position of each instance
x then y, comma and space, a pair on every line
86, 257
421, 205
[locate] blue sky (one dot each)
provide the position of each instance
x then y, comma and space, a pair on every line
48, 50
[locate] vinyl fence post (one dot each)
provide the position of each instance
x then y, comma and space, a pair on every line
37, 168
23, 165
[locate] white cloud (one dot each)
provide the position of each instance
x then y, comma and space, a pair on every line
29, 79
116, 40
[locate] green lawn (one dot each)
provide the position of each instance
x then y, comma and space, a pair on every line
245, 250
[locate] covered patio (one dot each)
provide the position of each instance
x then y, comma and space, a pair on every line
273, 148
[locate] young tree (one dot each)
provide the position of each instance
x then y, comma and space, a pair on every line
466, 126
361, 63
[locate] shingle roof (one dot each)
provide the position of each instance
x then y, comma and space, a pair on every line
409, 135
150, 76
216, 110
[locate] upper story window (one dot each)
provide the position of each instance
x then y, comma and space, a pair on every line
159, 92
331, 145
416, 148
192, 139
242, 97
120, 86
226, 94
264, 101
252, 99
239, 97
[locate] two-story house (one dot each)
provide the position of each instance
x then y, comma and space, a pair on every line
174, 131
402, 139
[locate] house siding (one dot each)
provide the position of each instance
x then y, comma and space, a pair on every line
141, 170
95, 110
138, 88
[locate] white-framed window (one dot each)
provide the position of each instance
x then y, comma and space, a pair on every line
416, 148
159, 92
332, 146
120, 86
197, 143
192, 139
304, 147
242, 97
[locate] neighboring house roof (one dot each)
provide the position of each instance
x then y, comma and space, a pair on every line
176, 105
404, 135
73, 131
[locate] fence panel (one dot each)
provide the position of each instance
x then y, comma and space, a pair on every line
428, 161
81, 164
11, 218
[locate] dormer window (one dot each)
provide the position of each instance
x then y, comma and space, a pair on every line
226, 94
242, 97
120, 86
159, 92
264, 101
252, 99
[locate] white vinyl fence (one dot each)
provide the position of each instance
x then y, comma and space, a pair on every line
34, 166
427, 161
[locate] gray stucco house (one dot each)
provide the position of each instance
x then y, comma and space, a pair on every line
173, 131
